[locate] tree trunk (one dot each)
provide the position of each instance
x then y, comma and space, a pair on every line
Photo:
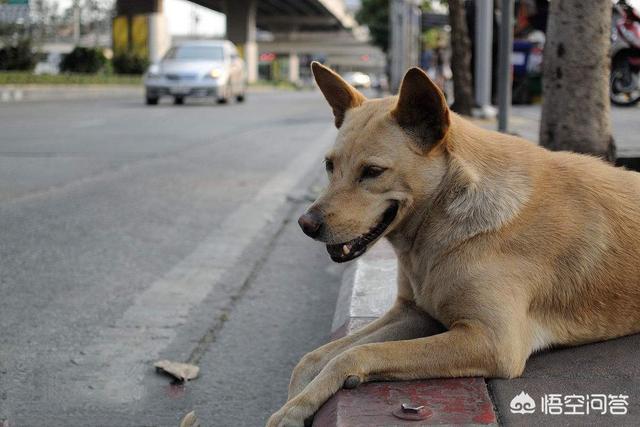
460, 59
575, 109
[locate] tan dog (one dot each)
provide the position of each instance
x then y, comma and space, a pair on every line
511, 247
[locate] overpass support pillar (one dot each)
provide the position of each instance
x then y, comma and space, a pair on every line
140, 28
294, 67
241, 29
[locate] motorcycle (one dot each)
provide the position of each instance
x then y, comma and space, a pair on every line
624, 88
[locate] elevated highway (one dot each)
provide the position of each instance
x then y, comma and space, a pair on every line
283, 18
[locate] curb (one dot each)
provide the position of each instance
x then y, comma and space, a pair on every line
368, 289
19, 93
38, 92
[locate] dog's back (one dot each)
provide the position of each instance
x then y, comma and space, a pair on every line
579, 230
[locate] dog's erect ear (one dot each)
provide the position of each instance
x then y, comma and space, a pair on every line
422, 109
340, 94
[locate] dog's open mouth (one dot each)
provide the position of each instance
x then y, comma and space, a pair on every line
343, 252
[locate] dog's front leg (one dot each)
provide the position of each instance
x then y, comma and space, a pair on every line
403, 321
467, 349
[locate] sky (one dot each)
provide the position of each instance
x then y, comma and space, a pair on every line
181, 13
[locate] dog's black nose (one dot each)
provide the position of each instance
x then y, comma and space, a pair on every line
311, 223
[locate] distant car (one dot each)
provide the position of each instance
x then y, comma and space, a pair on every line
380, 82
358, 79
49, 63
197, 69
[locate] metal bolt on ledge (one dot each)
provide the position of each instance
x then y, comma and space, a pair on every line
412, 412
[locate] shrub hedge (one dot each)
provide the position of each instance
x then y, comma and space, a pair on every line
83, 60
17, 57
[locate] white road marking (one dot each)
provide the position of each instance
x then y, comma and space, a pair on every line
122, 354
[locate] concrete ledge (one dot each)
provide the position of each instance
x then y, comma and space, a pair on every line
368, 290
17, 93
43, 92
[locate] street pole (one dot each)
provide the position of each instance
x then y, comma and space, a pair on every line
404, 46
483, 54
504, 66
76, 22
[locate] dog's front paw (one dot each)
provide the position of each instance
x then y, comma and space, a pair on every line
284, 418
294, 413
305, 371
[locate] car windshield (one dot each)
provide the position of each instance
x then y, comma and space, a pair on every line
206, 53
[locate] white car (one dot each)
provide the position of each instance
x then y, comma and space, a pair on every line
358, 79
49, 63
197, 69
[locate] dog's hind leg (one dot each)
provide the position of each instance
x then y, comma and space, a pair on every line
402, 322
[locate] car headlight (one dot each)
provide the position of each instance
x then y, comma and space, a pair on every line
215, 73
153, 71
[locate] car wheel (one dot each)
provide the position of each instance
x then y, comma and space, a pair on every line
178, 100
226, 95
150, 100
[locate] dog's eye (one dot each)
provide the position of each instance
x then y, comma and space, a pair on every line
371, 172
328, 165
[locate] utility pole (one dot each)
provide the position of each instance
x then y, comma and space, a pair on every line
195, 20
504, 66
483, 56
404, 49
76, 22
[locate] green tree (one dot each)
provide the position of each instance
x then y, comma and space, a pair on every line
17, 55
575, 78
460, 59
375, 15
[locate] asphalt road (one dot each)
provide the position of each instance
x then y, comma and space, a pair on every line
130, 234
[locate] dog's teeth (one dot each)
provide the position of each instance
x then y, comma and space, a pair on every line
345, 249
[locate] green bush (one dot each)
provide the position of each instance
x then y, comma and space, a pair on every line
129, 63
28, 78
18, 56
83, 60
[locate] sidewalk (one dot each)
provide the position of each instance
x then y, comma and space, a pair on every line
575, 376
525, 121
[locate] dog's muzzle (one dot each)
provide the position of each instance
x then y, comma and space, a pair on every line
311, 223
343, 252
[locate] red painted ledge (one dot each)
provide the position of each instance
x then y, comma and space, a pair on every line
452, 401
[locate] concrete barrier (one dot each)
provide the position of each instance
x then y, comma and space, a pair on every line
368, 289
18, 93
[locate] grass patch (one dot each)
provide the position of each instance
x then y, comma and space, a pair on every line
26, 78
